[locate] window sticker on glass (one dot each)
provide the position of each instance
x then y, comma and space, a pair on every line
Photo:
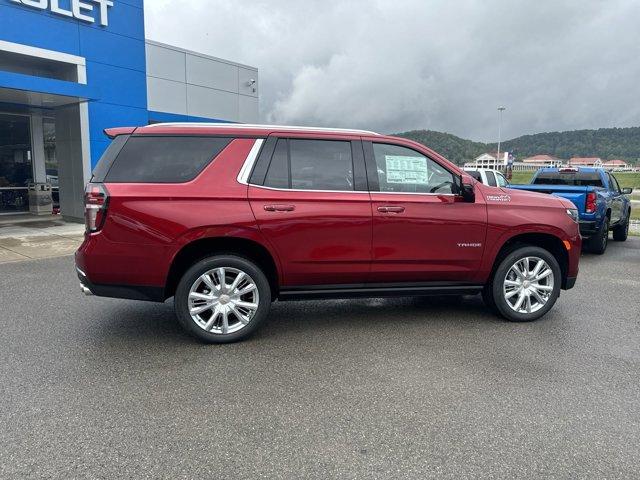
402, 169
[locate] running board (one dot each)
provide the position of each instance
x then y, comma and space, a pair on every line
377, 290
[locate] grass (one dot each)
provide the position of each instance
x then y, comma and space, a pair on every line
625, 179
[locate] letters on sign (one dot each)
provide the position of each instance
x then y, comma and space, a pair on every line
80, 9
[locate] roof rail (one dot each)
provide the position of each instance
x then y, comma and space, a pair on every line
249, 126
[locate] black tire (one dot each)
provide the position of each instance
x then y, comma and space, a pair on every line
497, 283
598, 243
193, 274
621, 232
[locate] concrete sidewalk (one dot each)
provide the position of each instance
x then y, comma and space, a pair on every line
24, 238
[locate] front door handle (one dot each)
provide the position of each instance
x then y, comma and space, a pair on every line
391, 209
279, 208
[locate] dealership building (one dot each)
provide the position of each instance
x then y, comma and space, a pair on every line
71, 68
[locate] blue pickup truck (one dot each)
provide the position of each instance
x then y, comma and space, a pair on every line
602, 205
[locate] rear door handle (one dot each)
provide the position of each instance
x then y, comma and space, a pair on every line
391, 209
279, 208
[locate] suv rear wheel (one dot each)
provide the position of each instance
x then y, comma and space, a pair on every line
526, 284
222, 299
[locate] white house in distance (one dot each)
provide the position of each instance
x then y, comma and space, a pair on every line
585, 162
616, 165
489, 160
542, 161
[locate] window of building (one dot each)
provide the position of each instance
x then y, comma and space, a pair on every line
404, 170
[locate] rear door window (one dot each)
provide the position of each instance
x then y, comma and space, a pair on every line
491, 179
311, 165
321, 165
177, 159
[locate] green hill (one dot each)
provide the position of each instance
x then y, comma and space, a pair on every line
606, 143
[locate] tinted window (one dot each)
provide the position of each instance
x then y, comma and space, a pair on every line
579, 179
321, 165
475, 174
147, 159
491, 179
401, 169
278, 172
107, 158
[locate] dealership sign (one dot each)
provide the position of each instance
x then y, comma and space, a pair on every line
79, 9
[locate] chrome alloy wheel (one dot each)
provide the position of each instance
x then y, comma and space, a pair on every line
528, 285
223, 300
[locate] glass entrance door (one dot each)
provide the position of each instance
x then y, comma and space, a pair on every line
16, 169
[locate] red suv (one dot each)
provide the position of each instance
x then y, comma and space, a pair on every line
228, 218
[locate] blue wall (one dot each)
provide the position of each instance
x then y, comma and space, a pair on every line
115, 55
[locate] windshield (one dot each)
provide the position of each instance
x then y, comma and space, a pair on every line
577, 179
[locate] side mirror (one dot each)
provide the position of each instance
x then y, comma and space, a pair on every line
627, 191
465, 189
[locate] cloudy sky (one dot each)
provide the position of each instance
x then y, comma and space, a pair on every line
395, 65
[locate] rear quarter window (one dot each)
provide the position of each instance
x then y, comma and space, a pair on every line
177, 159
107, 158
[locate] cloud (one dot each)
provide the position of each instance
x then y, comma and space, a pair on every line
445, 65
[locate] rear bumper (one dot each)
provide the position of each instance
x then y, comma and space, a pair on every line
130, 292
118, 270
588, 229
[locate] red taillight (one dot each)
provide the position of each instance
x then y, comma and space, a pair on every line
96, 199
590, 206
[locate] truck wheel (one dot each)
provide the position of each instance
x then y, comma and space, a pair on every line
598, 243
621, 232
222, 299
526, 284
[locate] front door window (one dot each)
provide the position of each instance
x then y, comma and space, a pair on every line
402, 170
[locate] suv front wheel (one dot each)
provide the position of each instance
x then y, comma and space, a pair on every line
526, 284
222, 299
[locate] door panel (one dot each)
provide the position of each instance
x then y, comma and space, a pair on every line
435, 238
616, 200
422, 231
312, 205
320, 237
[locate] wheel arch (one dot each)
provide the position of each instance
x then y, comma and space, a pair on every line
552, 243
195, 250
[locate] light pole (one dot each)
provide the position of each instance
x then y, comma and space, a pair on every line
500, 110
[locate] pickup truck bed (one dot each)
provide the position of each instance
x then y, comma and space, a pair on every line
602, 205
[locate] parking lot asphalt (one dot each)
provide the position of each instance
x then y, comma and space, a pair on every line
380, 388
